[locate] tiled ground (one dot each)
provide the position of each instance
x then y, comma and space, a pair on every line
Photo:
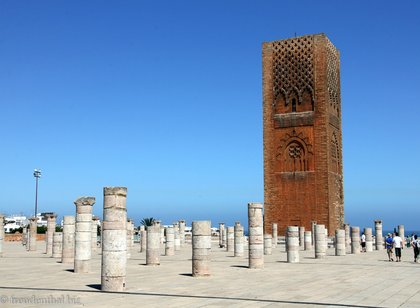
365, 280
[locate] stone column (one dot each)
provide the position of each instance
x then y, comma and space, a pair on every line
177, 236
302, 237
83, 239
132, 233
401, 232
230, 247
221, 229
24, 235
308, 240
379, 241
201, 247
239, 240
340, 242
153, 245
143, 239
57, 249
369, 241
355, 240
128, 238
347, 237
69, 233
177, 240
224, 237
170, 239
32, 233
320, 248
114, 239
50, 233
275, 234
292, 244
162, 235
182, 232
256, 240
1, 234
268, 242
94, 233
313, 224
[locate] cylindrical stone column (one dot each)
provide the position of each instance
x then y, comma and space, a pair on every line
1, 234
32, 233
347, 237
320, 248
268, 243
94, 233
153, 245
177, 236
162, 235
83, 239
313, 224
308, 240
69, 233
292, 244
182, 232
224, 237
401, 232
177, 239
114, 239
170, 239
57, 245
326, 238
51, 218
239, 240
256, 236
132, 233
201, 247
128, 238
369, 241
379, 242
143, 239
302, 238
275, 234
230, 247
340, 242
221, 229
24, 235
355, 240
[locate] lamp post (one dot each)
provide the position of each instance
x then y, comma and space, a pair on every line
37, 175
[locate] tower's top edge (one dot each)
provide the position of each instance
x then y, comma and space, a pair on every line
300, 37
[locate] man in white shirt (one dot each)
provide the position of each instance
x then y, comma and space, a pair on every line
363, 242
398, 245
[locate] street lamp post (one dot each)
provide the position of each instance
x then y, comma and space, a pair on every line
37, 175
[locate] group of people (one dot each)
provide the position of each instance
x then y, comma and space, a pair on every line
395, 242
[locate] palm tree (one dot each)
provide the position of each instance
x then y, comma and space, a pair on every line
147, 221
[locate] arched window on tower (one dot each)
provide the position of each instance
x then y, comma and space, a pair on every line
295, 158
293, 104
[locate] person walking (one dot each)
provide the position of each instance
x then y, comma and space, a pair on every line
415, 243
389, 247
363, 242
398, 245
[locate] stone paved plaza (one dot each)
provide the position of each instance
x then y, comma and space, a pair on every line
364, 280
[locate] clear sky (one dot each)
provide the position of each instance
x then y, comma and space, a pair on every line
165, 97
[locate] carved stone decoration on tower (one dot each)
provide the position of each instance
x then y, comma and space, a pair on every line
303, 169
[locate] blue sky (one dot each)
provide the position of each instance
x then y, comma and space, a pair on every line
164, 97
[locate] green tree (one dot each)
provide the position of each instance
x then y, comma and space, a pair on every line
147, 221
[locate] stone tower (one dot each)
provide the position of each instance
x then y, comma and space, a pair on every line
303, 170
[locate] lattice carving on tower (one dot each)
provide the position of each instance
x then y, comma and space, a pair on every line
293, 68
333, 77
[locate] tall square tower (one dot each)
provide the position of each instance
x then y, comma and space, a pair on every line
303, 169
